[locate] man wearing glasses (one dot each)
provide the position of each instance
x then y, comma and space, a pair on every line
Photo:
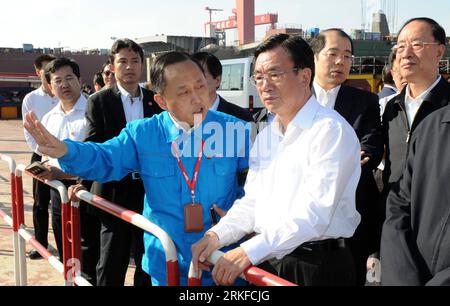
333, 54
299, 194
420, 47
108, 75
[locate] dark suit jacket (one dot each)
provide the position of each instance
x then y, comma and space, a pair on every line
415, 248
105, 118
397, 132
361, 110
234, 110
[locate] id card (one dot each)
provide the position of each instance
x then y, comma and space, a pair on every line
193, 218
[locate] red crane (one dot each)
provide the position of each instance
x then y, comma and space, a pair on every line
244, 20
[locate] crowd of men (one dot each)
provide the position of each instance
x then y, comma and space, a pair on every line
337, 176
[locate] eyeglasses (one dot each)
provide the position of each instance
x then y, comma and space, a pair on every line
108, 73
416, 45
273, 76
333, 56
59, 81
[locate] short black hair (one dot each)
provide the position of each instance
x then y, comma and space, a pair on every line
157, 71
437, 30
98, 79
125, 44
297, 48
387, 69
56, 64
318, 43
211, 62
38, 61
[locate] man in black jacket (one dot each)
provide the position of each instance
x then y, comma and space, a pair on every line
213, 73
108, 111
416, 235
333, 52
420, 47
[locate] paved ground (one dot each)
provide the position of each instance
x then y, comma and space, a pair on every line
39, 272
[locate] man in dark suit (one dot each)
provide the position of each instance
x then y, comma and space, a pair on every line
333, 51
213, 74
420, 47
108, 111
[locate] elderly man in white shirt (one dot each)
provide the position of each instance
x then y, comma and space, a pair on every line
40, 101
300, 190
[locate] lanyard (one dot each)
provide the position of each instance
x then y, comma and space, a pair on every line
191, 184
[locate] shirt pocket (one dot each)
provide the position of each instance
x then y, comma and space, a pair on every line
158, 167
225, 176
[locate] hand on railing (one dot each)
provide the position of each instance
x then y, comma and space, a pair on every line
72, 191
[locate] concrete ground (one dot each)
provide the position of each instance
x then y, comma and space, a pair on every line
39, 272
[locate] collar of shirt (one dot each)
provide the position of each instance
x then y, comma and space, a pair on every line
125, 95
80, 105
216, 103
173, 129
413, 104
302, 120
422, 96
326, 98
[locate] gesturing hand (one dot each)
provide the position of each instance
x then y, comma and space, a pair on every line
48, 144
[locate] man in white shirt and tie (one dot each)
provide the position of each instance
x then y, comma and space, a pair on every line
300, 190
40, 101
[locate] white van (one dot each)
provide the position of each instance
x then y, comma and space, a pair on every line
236, 87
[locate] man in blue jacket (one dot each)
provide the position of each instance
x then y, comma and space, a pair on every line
189, 159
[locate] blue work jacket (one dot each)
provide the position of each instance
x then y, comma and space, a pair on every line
145, 146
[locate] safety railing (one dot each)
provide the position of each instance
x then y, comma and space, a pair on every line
173, 274
252, 274
71, 233
72, 247
72, 237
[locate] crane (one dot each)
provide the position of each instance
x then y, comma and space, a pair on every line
210, 10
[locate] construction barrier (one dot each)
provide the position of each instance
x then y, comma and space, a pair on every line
72, 249
72, 237
173, 272
253, 275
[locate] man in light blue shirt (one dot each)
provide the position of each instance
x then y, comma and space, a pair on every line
150, 146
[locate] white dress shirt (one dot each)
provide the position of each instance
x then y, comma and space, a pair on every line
71, 125
326, 98
132, 106
300, 187
413, 104
40, 103
216, 103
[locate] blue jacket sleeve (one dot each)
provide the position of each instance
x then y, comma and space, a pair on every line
109, 161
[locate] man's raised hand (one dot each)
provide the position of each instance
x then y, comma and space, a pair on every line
47, 143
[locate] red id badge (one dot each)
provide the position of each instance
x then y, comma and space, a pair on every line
193, 218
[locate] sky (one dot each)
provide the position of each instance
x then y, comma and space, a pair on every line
79, 24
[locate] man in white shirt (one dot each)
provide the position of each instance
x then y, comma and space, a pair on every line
67, 120
300, 190
333, 51
40, 101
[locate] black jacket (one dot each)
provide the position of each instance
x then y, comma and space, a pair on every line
415, 247
361, 110
105, 118
234, 110
396, 129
